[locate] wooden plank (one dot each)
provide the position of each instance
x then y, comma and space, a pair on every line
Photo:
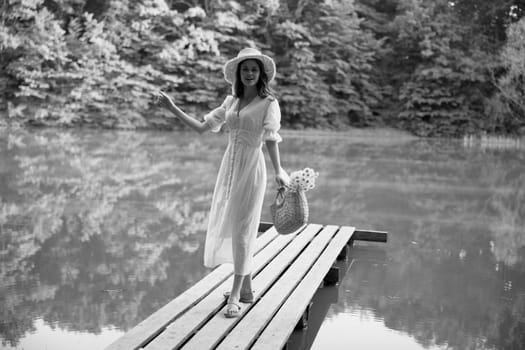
156, 322
371, 236
186, 325
278, 331
246, 332
212, 333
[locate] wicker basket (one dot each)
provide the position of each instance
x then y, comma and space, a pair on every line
289, 210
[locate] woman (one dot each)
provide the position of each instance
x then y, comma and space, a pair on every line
251, 115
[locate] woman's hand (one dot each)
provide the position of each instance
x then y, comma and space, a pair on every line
282, 178
165, 101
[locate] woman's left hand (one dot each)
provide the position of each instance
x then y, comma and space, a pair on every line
282, 178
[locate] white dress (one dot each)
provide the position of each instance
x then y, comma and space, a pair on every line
239, 191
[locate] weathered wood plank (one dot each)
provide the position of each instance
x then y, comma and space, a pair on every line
246, 332
278, 331
156, 322
218, 326
186, 325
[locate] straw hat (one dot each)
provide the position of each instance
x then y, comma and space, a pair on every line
230, 68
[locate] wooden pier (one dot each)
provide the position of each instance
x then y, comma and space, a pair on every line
287, 271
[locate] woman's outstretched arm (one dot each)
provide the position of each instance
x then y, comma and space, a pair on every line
166, 102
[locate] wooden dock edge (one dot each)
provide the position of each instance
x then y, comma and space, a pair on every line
157, 323
370, 236
359, 234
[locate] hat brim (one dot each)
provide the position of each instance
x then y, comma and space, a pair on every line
230, 67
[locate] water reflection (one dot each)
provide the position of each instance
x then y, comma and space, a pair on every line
99, 229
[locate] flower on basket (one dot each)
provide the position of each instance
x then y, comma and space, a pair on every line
303, 179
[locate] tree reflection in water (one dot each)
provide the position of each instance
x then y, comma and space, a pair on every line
100, 228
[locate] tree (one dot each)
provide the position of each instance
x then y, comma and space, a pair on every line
508, 105
431, 67
325, 62
67, 74
488, 20
443, 95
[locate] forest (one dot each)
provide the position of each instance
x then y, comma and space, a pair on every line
434, 68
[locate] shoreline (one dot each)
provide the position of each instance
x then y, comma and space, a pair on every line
378, 134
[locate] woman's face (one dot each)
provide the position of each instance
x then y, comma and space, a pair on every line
249, 71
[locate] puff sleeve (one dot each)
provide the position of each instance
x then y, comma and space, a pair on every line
217, 117
272, 122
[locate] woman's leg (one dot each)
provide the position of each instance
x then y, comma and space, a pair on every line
233, 308
235, 293
246, 288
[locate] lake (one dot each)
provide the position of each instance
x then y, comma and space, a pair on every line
98, 229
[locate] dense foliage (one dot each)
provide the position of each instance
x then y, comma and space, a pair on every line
431, 67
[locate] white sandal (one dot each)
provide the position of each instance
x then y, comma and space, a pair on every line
232, 310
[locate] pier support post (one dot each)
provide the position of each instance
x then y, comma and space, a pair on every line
332, 277
343, 254
303, 321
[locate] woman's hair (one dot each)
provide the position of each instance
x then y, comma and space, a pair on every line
263, 90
